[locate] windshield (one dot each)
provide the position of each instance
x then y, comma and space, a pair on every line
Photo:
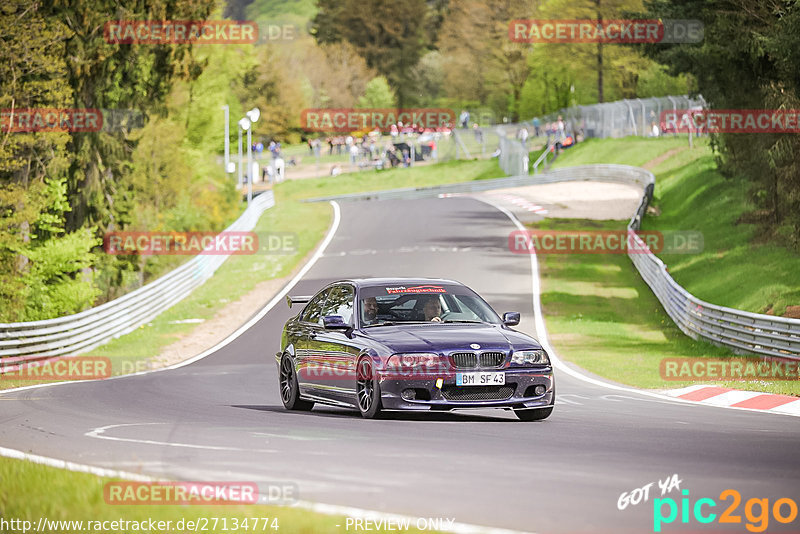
445, 303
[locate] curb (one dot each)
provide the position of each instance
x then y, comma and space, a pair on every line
735, 398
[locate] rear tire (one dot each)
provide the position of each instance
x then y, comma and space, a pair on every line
535, 414
368, 391
289, 388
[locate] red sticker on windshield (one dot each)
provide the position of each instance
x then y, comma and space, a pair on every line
415, 289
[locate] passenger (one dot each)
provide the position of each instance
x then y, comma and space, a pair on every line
432, 309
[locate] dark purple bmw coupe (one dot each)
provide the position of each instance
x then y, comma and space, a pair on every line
410, 344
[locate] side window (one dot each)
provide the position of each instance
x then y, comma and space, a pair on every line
340, 302
311, 313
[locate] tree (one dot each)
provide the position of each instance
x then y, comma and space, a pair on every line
41, 267
337, 74
378, 94
390, 36
747, 60
480, 62
114, 76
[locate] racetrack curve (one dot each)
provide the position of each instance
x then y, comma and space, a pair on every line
220, 418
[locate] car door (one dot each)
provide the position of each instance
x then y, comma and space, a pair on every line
309, 372
336, 347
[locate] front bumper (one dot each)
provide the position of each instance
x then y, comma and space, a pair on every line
517, 392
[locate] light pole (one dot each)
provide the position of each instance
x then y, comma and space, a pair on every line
246, 123
243, 124
252, 117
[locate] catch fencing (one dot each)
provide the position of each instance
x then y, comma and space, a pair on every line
623, 117
73, 334
638, 117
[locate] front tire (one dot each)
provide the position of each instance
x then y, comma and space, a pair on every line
533, 414
289, 388
368, 391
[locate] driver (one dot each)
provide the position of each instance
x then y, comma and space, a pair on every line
370, 307
432, 309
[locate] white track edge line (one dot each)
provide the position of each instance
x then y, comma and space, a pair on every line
321, 508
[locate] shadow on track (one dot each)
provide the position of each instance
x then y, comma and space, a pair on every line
342, 413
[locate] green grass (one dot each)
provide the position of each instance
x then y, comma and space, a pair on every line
30, 491
600, 313
626, 151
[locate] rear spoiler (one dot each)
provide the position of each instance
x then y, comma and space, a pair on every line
297, 299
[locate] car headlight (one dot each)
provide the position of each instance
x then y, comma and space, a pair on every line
416, 361
528, 357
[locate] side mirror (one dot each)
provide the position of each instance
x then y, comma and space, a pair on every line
511, 318
334, 322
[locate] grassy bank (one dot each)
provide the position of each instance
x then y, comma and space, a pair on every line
30, 492
628, 151
600, 313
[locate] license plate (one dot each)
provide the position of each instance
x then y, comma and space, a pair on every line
480, 379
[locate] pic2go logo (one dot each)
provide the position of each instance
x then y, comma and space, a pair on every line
757, 511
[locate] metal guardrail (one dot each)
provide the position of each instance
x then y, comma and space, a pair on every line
73, 334
738, 330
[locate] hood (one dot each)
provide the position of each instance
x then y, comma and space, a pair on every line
449, 337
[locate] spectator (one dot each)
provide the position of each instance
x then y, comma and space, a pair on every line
275, 148
536, 126
464, 118
478, 133
392, 156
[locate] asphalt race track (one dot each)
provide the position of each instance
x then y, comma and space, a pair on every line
221, 418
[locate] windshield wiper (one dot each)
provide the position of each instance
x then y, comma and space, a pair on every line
393, 323
461, 321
